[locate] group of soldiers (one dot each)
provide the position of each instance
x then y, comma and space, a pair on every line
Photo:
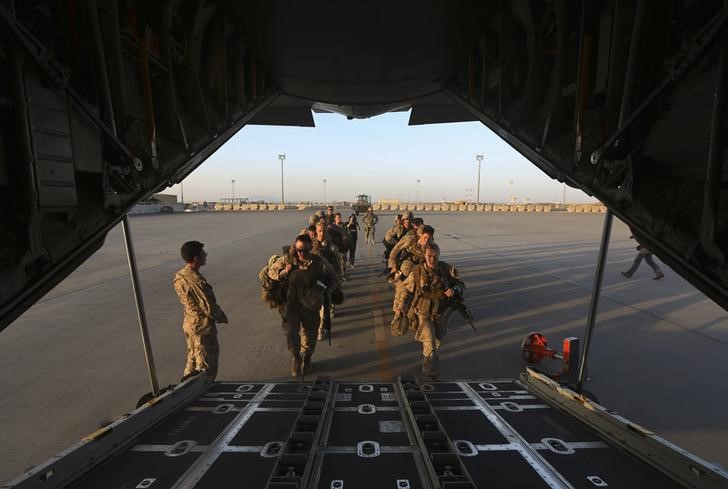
425, 287
303, 283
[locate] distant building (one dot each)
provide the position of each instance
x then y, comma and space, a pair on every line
165, 199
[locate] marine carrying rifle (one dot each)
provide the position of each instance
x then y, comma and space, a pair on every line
457, 303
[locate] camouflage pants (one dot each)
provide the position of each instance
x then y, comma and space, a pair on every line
342, 267
300, 327
203, 352
369, 232
430, 332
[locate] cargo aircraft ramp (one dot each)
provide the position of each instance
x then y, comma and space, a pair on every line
346, 435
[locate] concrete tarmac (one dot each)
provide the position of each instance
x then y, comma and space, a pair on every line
74, 361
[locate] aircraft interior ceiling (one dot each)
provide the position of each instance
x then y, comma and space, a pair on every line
105, 102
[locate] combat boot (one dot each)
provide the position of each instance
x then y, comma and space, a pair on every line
295, 365
307, 364
430, 367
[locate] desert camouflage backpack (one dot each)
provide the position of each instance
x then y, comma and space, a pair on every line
272, 292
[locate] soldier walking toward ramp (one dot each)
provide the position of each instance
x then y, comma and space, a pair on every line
429, 286
392, 236
370, 220
329, 217
410, 250
353, 227
305, 275
201, 311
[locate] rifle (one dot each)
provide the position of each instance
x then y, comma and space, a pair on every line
457, 303
327, 314
383, 272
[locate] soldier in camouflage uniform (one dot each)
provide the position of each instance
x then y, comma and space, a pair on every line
201, 311
339, 235
330, 253
392, 236
414, 230
315, 217
311, 232
329, 217
323, 246
301, 270
370, 220
410, 250
426, 289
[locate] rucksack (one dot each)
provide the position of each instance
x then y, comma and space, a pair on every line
272, 292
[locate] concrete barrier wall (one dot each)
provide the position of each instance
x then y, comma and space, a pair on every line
405, 207
584, 208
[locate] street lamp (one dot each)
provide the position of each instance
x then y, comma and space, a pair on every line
417, 200
479, 158
324, 192
282, 157
233, 182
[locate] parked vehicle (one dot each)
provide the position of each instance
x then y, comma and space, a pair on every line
361, 204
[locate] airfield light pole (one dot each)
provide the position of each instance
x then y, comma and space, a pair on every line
233, 182
417, 200
324, 192
282, 157
480, 159
510, 200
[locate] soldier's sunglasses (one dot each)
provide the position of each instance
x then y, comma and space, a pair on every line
303, 250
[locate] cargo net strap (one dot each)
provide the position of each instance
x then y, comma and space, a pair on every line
442, 459
290, 468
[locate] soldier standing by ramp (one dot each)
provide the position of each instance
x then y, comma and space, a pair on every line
370, 220
201, 311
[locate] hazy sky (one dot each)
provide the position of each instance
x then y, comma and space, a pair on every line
382, 157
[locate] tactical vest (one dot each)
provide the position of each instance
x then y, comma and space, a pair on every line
430, 286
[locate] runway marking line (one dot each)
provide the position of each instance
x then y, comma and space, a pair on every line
380, 332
